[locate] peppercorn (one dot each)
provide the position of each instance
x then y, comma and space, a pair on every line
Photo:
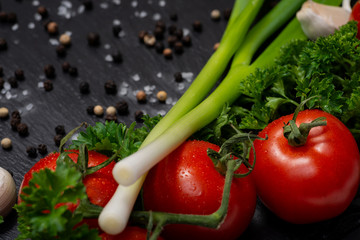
14, 122
141, 35
149, 40
173, 17
42, 149
122, 107
159, 33
65, 39
171, 40
65, 66
4, 113
42, 11
167, 53
161, 96
116, 29
31, 151
139, 116
13, 82
22, 129
227, 13
110, 118
6, 143
3, 17
110, 87
93, 39
197, 26
16, 115
117, 57
186, 40
111, 110
98, 110
215, 15
61, 50
2, 82
178, 77
178, 47
19, 74
57, 139
84, 87
160, 24
3, 44
48, 85
60, 130
90, 110
73, 71
179, 33
52, 28
172, 29
11, 18
88, 4
49, 71
159, 47
141, 96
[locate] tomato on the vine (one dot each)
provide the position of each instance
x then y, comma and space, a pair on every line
312, 182
187, 182
355, 15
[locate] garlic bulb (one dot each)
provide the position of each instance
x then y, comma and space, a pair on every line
321, 20
7, 192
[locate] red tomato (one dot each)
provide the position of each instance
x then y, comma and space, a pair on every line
355, 15
130, 233
310, 183
100, 186
187, 182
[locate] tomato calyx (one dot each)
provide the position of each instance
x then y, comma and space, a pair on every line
297, 136
240, 142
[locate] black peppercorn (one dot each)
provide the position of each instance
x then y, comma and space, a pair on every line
93, 39
42, 149
65, 66
159, 47
179, 33
31, 151
139, 116
172, 29
110, 118
178, 47
48, 85
88, 4
197, 26
178, 77
110, 87
116, 30
61, 50
227, 13
49, 71
11, 18
60, 130
19, 74
3, 44
159, 33
117, 57
173, 17
2, 82
186, 40
160, 24
3, 17
14, 122
141, 35
171, 40
122, 107
22, 129
57, 139
42, 11
16, 115
13, 82
90, 110
84, 87
73, 71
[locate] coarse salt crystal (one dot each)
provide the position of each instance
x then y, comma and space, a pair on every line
29, 106
109, 58
156, 16
15, 27
104, 5
116, 2
159, 75
162, 3
136, 77
134, 3
31, 25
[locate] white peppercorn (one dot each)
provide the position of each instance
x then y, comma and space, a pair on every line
98, 110
6, 143
4, 112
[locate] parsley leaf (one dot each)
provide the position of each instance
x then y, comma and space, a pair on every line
1, 219
42, 213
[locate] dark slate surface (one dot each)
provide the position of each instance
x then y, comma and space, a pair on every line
30, 48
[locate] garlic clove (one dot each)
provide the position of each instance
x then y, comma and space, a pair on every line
7, 192
321, 20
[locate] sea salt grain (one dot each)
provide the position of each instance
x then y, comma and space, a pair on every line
116, 22
104, 5
188, 76
35, 3
159, 75
181, 86
81, 9
15, 27
162, 3
109, 58
31, 25
116, 2
40, 84
156, 16
135, 77
53, 41
25, 92
37, 17
134, 4
29, 106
